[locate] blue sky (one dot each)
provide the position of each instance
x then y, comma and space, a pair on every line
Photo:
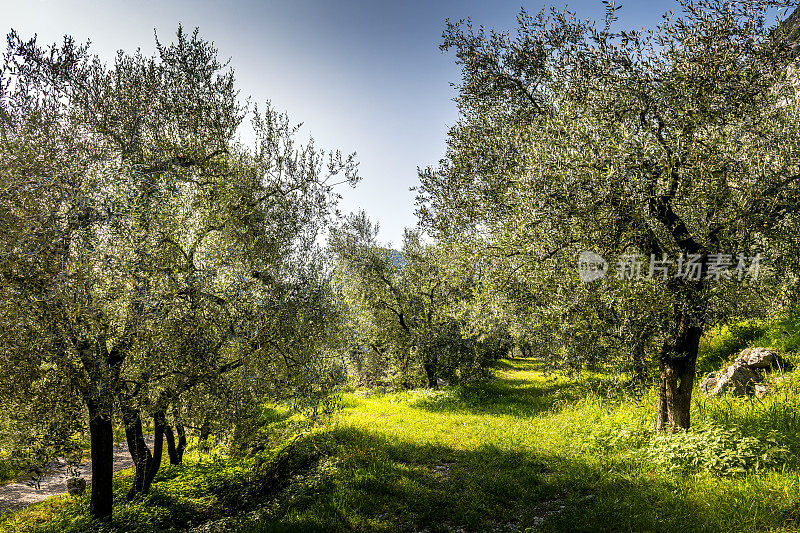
363, 76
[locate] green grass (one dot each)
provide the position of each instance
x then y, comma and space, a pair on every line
207, 486
724, 343
520, 452
525, 452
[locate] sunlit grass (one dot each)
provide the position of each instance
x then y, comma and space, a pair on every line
525, 451
522, 451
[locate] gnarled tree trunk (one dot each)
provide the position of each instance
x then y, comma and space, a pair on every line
137, 447
175, 451
172, 450
677, 368
181, 441
160, 423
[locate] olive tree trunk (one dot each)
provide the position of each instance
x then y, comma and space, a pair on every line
172, 450
175, 451
677, 369
137, 447
102, 441
160, 423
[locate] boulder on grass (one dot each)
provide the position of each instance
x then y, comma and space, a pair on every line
736, 379
762, 358
745, 375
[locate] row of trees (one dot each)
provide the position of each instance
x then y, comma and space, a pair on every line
151, 265
403, 313
678, 142
677, 146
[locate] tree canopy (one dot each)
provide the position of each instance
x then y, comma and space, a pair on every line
146, 252
672, 146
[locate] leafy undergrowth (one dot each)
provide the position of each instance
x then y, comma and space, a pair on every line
209, 486
521, 452
9, 469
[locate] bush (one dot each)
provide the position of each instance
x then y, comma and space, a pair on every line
721, 450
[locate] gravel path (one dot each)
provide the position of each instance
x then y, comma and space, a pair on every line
24, 492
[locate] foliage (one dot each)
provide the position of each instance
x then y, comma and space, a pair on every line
653, 145
399, 311
521, 452
723, 450
211, 483
152, 266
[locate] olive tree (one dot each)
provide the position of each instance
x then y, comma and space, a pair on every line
676, 147
142, 244
399, 309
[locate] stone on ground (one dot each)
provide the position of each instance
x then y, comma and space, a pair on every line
744, 377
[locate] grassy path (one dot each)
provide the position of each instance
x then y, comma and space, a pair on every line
493, 456
523, 453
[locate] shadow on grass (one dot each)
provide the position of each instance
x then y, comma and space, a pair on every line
182, 496
351, 479
500, 397
378, 485
365, 482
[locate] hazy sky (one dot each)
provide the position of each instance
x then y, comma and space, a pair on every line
363, 76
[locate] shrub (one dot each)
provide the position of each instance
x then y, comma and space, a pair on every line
725, 451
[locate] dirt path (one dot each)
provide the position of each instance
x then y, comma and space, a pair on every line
24, 492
